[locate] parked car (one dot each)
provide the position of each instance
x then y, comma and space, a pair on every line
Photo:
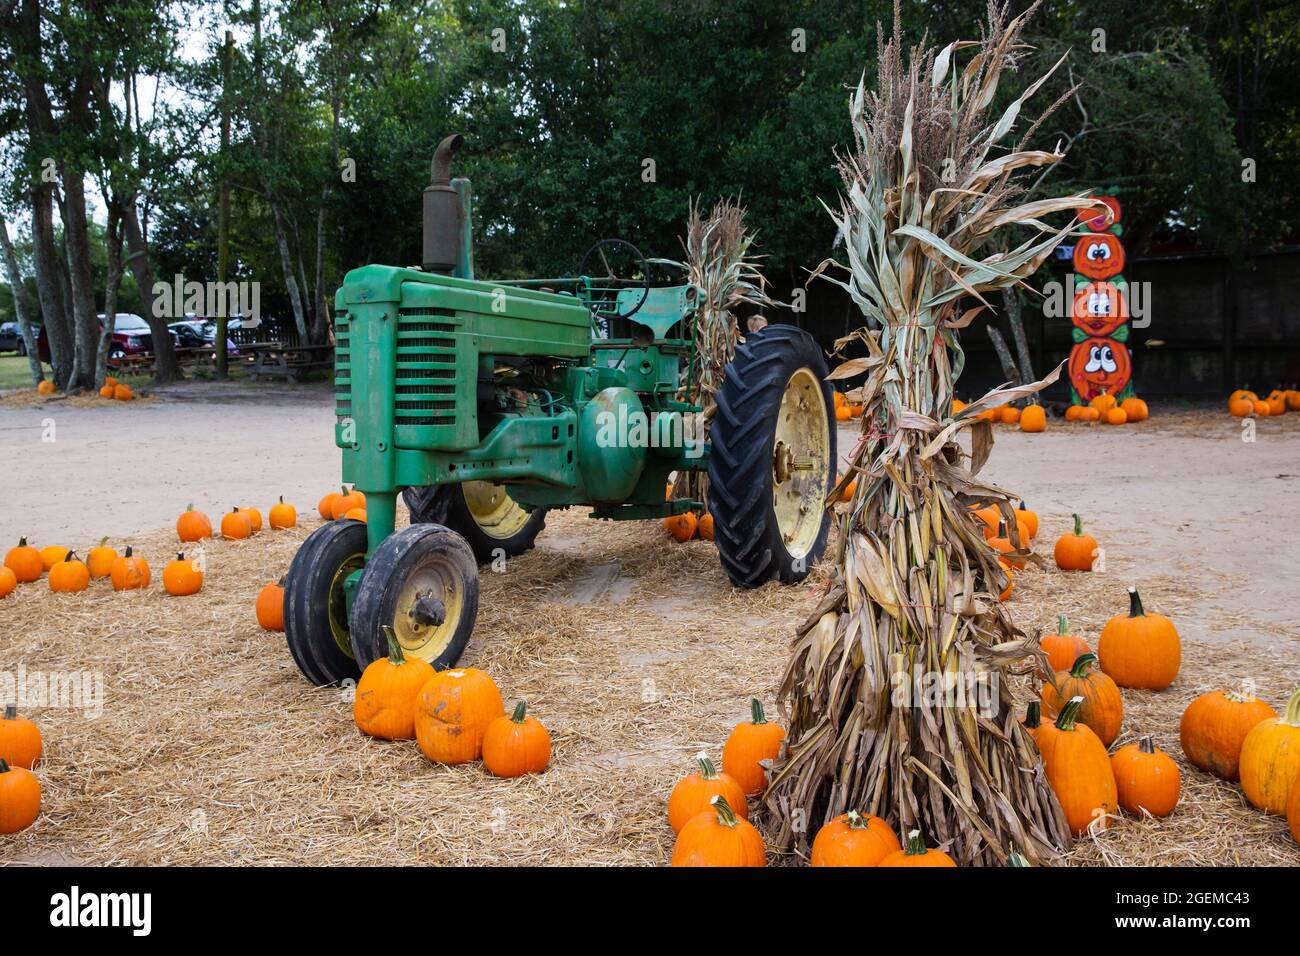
131, 337
197, 332
10, 339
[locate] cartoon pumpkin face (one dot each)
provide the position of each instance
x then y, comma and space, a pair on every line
1097, 222
1099, 365
1099, 256
1100, 308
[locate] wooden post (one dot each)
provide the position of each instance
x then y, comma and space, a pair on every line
223, 213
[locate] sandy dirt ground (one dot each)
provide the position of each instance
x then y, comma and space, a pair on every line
211, 748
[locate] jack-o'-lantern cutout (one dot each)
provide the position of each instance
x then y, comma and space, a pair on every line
1098, 256
1095, 220
1100, 308
1099, 365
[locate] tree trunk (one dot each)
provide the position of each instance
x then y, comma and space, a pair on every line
82, 278
20, 307
1009, 370
165, 366
49, 282
112, 280
286, 263
1011, 299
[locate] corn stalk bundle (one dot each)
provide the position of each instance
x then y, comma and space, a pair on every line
719, 262
883, 687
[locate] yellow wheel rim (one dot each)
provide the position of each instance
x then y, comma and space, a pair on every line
493, 510
435, 580
338, 604
800, 462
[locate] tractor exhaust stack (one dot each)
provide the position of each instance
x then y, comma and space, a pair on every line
442, 212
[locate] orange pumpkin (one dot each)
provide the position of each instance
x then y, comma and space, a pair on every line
52, 554
106, 391
1005, 593
1009, 415
843, 414
1074, 413
1062, 648
1089, 414
20, 798
129, 572
1008, 549
916, 854
1033, 419
326, 505
516, 745
236, 525
1116, 416
1102, 708
123, 393
1099, 308
282, 515
1030, 519
750, 742
1293, 399
1099, 256
254, 518
1241, 407
69, 575
1215, 725
1146, 779
1243, 393
182, 577
346, 501
1103, 402
694, 793
385, 701
8, 581
270, 606
1293, 810
1270, 759
99, 560
452, 714
1078, 769
1261, 407
1099, 366
682, 526
720, 838
1140, 650
193, 525
704, 527
20, 739
852, 839
25, 562
1135, 409
45, 387
356, 514
1077, 551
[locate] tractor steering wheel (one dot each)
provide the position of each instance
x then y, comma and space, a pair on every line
607, 286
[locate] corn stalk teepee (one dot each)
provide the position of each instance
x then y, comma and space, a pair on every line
719, 261
882, 688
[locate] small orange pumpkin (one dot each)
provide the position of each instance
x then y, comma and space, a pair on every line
270, 606
1241, 407
385, 701
1089, 414
25, 562
720, 838
1062, 648
1116, 416
129, 572
1033, 419
1009, 415
1075, 552
8, 581
1030, 518
106, 391
704, 527
20, 798
52, 554
842, 414
1103, 402
20, 739
1135, 409
852, 839
1002, 542
1102, 708
916, 854
1146, 778
123, 393
254, 518
682, 526
69, 575
235, 524
748, 743
182, 577
193, 525
45, 387
694, 793
1262, 409
282, 515
346, 501
516, 745
356, 514
99, 560
1270, 759
1140, 650
1078, 769
326, 505
1215, 725
452, 714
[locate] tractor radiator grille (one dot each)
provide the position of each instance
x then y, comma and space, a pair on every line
426, 371
342, 367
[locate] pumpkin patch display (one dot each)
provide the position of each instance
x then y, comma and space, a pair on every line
385, 700
694, 793
182, 577
25, 562
282, 515
754, 740
69, 575
1102, 707
1062, 648
270, 606
852, 839
129, 572
516, 745
1075, 551
1270, 759
99, 560
8, 581
917, 854
719, 838
193, 525
452, 714
20, 739
1214, 727
20, 798
1146, 779
236, 525
1140, 650
1078, 769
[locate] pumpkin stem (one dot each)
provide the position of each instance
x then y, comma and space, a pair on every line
128, 551
4, 765
1015, 858
180, 555
1145, 745
22, 542
1061, 624
1082, 663
1078, 526
103, 541
707, 770
915, 844
1002, 527
190, 506
11, 711
282, 499
1033, 715
69, 556
1069, 714
1135, 604
395, 655
722, 808
756, 711
1292, 715
1236, 698
521, 709
856, 820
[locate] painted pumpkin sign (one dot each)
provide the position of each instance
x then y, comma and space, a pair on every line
1099, 365
1099, 256
1100, 308
1097, 222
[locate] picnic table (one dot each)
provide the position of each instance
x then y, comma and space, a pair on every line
276, 360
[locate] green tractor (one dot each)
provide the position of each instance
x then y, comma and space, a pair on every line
486, 403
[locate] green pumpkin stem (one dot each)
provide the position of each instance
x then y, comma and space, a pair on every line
756, 711
1069, 714
1002, 527
1078, 526
856, 820
11, 711
128, 551
1292, 716
70, 556
722, 808
1082, 663
707, 770
4, 765
1061, 624
190, 506
103, 541
1135, 604
282, 499
521, 711
395, 655
22, 542
915, 844
1034, 715
1236, 698
1145, 745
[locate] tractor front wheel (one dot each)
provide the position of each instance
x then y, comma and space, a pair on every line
772, 458
423, 583
482, 512
315, 608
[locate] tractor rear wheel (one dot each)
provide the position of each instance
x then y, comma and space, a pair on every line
423, 583
772, 458
315, 609
481, 512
